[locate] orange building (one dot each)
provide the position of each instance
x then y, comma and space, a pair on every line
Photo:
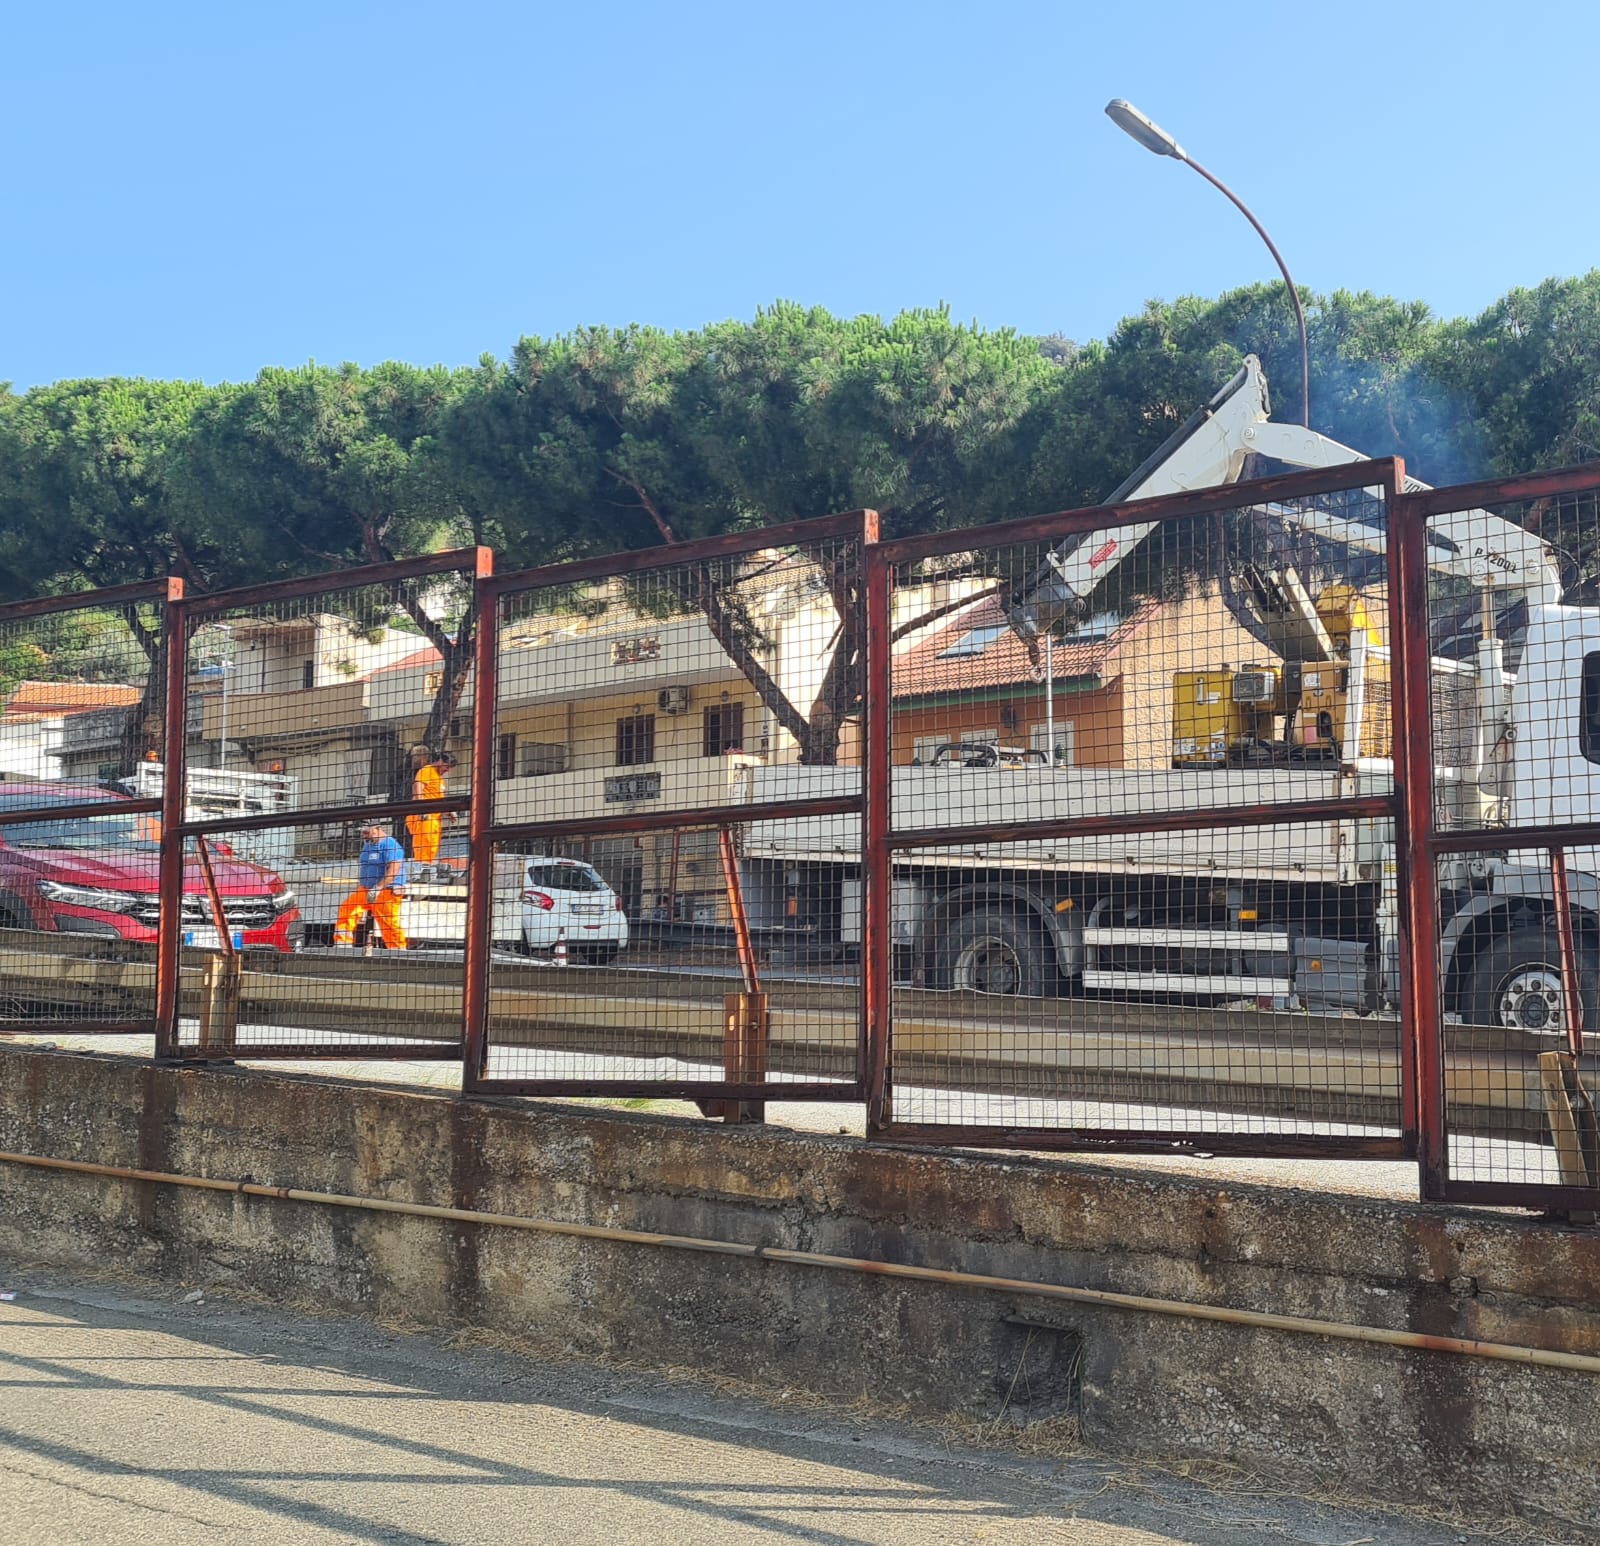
975, 680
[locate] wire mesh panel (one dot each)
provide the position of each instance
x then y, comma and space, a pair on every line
669, 960
1105, 930
1169, 987
1510, 640
82, 684
1244, 641
686, 685
313, 697
79, 928
314, 940
328, 748
653, 713
1517, 1105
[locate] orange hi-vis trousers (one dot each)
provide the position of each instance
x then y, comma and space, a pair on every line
385, 913
424, 832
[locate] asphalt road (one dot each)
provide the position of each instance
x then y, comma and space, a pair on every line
134, 1415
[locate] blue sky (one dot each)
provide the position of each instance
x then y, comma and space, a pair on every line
200, 190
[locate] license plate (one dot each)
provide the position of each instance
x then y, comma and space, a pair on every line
209, 939
588, 907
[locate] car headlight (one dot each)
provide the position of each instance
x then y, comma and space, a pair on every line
89, 896
282, 901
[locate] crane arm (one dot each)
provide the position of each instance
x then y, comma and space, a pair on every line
1210, 449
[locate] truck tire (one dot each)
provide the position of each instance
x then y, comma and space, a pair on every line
995, 951
1516, 982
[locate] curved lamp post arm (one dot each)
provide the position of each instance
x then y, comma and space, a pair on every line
1155, 139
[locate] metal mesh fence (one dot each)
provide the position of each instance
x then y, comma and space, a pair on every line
314, 699
681, 686
1175, 989
1235, 639
1078, 831
82, 683
271, 976
1512, 639
1514, 1111
660, 724
628, 959
328, 746
1103, 924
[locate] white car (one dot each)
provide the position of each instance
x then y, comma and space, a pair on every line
564, 901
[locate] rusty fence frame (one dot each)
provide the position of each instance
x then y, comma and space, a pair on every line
884, 841
168, 593
1421, 841
737, 1096
1428, 842
476, 564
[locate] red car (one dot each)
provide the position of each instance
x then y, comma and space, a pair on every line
98, 875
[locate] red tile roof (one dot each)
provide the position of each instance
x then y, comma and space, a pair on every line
920, 673
65, 698
427, 656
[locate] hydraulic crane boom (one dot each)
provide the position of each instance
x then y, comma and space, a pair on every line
1211, 449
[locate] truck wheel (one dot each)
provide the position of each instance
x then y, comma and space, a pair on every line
1516, 982
995, 952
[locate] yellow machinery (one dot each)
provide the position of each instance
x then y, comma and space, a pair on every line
1295, 709
1217, 714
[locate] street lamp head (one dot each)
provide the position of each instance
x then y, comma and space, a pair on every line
1136, 126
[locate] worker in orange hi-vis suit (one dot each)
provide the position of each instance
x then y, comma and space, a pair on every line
382, 889
427, 783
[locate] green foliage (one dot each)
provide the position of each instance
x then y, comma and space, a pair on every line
317, 468
1528, 373
21, 660
88, 646
86, 484
626, 437
616, 438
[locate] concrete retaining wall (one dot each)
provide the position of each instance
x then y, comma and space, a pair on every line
1377, 1421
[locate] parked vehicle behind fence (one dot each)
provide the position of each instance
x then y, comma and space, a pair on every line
99, 875
566, 903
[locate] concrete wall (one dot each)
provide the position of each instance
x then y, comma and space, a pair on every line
1460, 1431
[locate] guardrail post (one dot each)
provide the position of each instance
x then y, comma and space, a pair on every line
221, 981
746, 1024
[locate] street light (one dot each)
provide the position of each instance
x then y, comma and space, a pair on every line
1155, 139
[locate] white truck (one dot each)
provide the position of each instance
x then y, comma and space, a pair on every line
226, 792
1295, 914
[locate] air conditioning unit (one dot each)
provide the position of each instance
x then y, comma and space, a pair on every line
673, 700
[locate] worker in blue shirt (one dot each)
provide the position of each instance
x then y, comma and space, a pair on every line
383, 886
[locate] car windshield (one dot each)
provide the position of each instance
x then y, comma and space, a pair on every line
123, 832
564, 877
